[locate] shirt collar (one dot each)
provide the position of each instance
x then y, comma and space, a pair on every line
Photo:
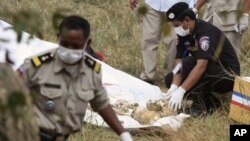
196, 27
83, 66
59, 65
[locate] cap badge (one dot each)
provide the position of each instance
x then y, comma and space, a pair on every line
171, 16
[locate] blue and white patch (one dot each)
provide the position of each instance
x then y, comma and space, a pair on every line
204, 43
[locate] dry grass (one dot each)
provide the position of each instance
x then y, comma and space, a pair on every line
116, 32
212, 128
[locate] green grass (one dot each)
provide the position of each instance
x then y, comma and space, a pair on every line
116, 33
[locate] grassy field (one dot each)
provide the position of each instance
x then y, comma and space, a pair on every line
116, 33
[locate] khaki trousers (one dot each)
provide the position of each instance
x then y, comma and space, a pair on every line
151, 35
234, 37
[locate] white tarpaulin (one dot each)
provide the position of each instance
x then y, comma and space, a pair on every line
119, 85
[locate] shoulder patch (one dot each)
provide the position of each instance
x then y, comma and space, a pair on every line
204, 43
94, 65
37, 61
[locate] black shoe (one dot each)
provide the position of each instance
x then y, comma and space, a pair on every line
212, 103
195, 112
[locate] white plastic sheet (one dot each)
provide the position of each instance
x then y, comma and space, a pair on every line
119, 85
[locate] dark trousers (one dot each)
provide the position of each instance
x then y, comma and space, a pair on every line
216, 79
46, 136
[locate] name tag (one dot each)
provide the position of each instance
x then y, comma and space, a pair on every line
49, 85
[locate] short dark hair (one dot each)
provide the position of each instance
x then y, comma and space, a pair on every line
187, 13
75, 22
179, 11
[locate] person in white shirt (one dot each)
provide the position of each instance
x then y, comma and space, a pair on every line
152, 24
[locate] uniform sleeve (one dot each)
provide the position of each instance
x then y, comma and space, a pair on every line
206, 44
26, 71
101, 100
180, 48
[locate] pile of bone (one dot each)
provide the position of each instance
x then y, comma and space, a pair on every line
154, 110
123, 107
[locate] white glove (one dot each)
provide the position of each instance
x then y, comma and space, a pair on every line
196, 12
242, 25
176, 99
125, 136
172, 88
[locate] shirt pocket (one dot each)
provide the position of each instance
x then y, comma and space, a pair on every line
51, 91
86, 95
226, 14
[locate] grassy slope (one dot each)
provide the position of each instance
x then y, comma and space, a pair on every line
116, 32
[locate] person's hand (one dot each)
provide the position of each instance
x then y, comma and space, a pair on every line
133, 4
176, 99
172, 88
242, 25
125, 136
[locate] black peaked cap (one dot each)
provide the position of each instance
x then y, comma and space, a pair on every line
176, 11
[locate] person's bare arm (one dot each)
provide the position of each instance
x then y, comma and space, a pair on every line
195, 74
111, 119
199, 4
246, 7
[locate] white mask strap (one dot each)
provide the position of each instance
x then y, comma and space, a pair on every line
85, 44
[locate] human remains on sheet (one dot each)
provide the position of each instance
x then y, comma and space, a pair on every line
122, 107
154, 110
145, 116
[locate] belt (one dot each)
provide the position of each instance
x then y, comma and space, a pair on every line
47, 136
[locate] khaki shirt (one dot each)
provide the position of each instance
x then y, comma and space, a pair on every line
226, 12
62, 99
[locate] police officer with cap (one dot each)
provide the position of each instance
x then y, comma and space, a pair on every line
207, 59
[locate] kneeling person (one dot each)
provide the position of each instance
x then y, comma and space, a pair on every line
63, 82
209, 62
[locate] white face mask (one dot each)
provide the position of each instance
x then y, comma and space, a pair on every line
71, 56
181, 32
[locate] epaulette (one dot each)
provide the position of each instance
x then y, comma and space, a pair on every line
37, 61
93, 64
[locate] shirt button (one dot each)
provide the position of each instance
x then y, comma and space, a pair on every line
50, 105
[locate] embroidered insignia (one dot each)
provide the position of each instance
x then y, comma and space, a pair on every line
171, 16
204, 43
37, 61
94, 65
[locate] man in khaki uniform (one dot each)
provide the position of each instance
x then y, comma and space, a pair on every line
224, 15
64, 80
152, 24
